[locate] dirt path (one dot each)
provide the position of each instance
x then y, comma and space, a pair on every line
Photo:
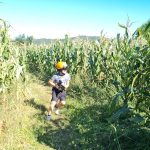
44, 130
80, 125
26, 126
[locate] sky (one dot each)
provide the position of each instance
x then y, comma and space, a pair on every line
55, 18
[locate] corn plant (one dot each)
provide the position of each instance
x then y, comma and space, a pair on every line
12, 63
122, 63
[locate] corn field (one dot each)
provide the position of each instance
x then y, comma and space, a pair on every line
122, 63
12, 59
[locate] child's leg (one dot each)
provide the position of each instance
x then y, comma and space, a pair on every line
51, 108
61, 103
58, 106
53, 102
62, 100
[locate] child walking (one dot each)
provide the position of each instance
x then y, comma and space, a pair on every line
59, 82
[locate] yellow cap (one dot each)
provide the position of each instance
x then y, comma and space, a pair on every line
61, 65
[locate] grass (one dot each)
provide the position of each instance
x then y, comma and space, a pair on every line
83, 123
18, 133
27, 128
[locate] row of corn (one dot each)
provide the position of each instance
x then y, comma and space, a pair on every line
122, 62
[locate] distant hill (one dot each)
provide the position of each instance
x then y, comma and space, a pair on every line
86, 37
42, 41
48, 41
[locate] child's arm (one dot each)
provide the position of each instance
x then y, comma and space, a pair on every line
67, 85
51, 83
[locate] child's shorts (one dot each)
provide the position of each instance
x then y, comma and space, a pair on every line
58, 95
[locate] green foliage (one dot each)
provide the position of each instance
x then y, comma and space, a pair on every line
119, 63
114, 76
144, 31
12, 59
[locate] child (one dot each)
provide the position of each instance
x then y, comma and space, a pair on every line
59, 82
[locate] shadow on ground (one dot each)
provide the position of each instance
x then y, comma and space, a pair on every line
42, 114
86, 129
83, 130
32, 103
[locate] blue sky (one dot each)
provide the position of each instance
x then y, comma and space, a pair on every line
55, 18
